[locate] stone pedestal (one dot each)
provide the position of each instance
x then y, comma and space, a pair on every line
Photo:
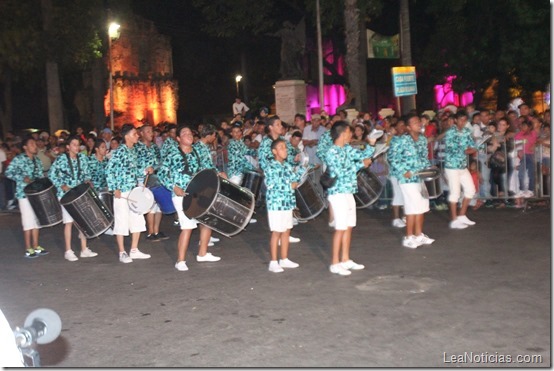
290, 99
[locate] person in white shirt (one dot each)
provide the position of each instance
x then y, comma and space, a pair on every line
239, 107
310, 139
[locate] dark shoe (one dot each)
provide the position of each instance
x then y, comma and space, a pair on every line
30, 253
160, 236
152, 237
39, 250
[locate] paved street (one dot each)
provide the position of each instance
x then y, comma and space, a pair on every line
486, 290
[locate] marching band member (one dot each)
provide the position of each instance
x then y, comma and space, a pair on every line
459, 144
343, 162
24, 169
97, 165
408, 155
238, 162
122, 174
68, 171
208, 136
280, 180
397, 199
325, 142
149, 156
170, 143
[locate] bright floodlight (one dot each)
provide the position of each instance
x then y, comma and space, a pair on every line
113, 30
238, 78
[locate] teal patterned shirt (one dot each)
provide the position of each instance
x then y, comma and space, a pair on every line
325, 142
344, 163
176, 172
204, 154
122, 171
168, 146
278, 179
456, 142
406, 155
148, 156
20, 167
265, 155
69, 171
238, 163
97, 171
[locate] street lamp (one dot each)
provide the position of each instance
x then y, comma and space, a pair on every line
113, 34
237, 80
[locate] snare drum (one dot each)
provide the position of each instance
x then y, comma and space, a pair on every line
369, 188
309, 197
140, 200
253, 181
430, 182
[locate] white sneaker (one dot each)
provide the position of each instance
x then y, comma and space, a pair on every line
464, 219
252, 221
332, 224
275, 267
294, 221
528, 194
210, 243
410, 242
181, 266
124, 258
398, 223
109, 232
457, 224
350, 264
293, 239
214, 239
70, 255
88, 253
338, 269
137, 254
207, 258
286, 263
423, 239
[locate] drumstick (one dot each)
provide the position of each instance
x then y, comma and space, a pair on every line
128, 199
145, 181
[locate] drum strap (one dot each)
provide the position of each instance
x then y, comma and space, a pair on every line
35, 167
186, 170
71, 166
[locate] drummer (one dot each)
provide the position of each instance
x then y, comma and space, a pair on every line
238, 162
24, 169
406, 156
97, 165
280, 180
343, 162
325, 142
68, 171
459, 144
148, 156
122, 174
208, 135
176, 173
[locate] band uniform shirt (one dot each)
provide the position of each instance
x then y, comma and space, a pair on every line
456, 142
265, 155
238, 163
168, 146
122, 171
405, 155
343, 164
176, 172
204, 155
325, 142
69, 171
148, 156
97, 171
20, 167
278, 179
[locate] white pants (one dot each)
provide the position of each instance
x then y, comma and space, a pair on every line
414, 202
125, 220
344, 210
279, 220
28, 217
397, 199
185, 222
459, 179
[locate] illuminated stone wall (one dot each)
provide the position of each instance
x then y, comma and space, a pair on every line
142, 65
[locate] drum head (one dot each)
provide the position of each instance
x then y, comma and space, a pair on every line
428, 173
201, 192
37, 186
140, 200
74, 193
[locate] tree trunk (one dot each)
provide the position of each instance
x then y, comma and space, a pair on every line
352, 40
6, 110
364, 103
98, 77
408, 103
53, 90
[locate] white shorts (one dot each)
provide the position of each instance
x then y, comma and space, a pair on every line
28, 217
155, 209
125, 220
185, 222
459, 179
397, 198
279, 220
66, 217
414, 202
236, 179
344, 210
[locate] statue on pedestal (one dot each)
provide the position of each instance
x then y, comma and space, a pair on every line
293, 45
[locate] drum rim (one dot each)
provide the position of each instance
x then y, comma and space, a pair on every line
46, 180
81, 195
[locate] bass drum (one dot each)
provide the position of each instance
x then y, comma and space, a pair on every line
91, 216
309, 197
253, 181
369, 188
217, 203
44, 201
107, 199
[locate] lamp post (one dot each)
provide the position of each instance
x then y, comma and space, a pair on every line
237, 80
113, 34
